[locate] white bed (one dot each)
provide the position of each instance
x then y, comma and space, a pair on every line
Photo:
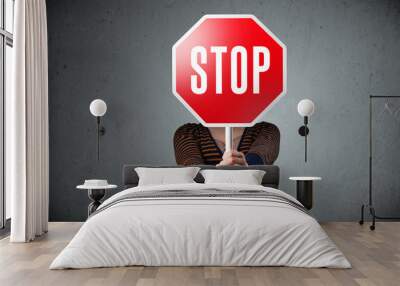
202, 231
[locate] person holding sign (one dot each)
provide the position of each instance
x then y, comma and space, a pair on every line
227, 71
198, 145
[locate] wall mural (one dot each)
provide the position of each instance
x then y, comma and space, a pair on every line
120, 52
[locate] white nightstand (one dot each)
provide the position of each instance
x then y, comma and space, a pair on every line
95, 193
304, 190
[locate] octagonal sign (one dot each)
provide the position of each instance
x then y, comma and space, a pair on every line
228, 70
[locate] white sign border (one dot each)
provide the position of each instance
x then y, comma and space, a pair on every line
230, 16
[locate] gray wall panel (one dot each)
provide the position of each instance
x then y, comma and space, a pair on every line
339, 52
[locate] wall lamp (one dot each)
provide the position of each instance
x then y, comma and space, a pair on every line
306, 109
98, 108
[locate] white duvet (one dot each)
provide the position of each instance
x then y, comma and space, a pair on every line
200, 231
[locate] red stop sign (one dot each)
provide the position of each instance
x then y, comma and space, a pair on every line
228, 69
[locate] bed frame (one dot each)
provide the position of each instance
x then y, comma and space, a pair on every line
271, 178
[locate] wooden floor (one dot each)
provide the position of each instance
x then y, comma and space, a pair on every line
375, 257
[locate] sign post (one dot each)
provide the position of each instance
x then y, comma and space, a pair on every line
228, 139
228, 70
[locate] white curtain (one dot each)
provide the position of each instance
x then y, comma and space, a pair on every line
27, 120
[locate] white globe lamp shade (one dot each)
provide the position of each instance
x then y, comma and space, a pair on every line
305, 107
98, 107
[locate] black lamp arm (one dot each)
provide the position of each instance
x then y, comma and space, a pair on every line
100, 129
100, 132
305, 120
304, 131
305, 137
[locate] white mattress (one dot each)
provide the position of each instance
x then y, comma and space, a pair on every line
200, 231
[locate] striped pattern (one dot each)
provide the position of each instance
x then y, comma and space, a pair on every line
194, 144
209, 194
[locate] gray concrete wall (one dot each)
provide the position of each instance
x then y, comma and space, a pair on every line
339, 52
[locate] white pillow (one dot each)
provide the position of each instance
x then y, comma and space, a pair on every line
248, 177
165, 176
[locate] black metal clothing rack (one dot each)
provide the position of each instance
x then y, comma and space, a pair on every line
370, 203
